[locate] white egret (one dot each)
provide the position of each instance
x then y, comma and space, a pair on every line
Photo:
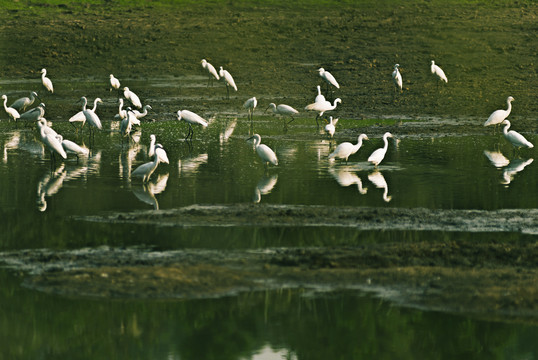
228, 80
211, 72
436, 70
191, 118
42, 124
515, 138
250, 105
127, 123
71, 147
397, 77
49, 138
114, 82
91, 117
379, 181
378, 155
132, 97
46, 81
140, 115
330, 128
13, 114
80, 117
346, 149
319, 96
498, 116
23, 103
328, 77
122, 114
264, 152
283, 109
34, 114
144, 171
322, 107
151, 147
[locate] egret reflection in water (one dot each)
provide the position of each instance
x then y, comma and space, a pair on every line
227, 132
379, 181
192, 164
11, 144
497, 158
345, 177
264, 186
146, 192
49, 185
515, 167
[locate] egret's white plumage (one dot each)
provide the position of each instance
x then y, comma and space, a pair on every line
126, 124
499, 116
140, 115
192, 119
43, 125
34, 114
282, 109
49, 138
114, 82
23, 103
328, 77
379, 154
211, 71
346, 149
80, 117
322, 107
319, 96
228, 80
14, 114
91, 116
515, 138
151, 147
122, 113
264, 152
330, 128
250, 105
46, 81
132, 97
71, 147
397, 77
144, 171
436, 70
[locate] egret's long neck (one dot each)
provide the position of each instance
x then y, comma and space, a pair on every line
505, 129
359, 144
5, 103
84, 103
386, 140
509, 107
94, 105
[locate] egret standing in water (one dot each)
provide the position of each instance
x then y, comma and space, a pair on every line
329, 78
228, 80
23, 103
321, 107
515, 138
498, 116
438, 72
144, 171
283, 109
330, 128
250, 105
264, 152
397, 78
346, 149
211, 72
14, 114
151, 147
140, 115
80, 117
132, 97
319, 96
191, 118
379, 154
46, 81
34, 114
71, 147
49, 138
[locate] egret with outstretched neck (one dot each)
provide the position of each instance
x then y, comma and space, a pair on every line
46, 81
191, 119
13, 114
498, 116
322, 107
379, 154
23, 103
282, 109
265, 153
145, 171
80, 117
211, 71
515, 138
140, 115
346, 149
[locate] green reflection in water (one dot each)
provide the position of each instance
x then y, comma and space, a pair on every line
298, 323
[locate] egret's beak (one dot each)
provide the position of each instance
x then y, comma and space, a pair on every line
266, 109
250, 138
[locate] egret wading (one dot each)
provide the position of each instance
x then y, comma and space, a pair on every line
379, 154
90, 115
49, 138
144, 171
71, 147
80, 117
23, 103
346, 149
397, 78
282, 109
330, 128
321, 107
132, 97
46, 81
265, 153
13, 114
439, 73
319, 96
250, 105
515, 138
140, 115
228, 80
191, 119
151, 147
498, 116
211, 72
34, 114
329, 79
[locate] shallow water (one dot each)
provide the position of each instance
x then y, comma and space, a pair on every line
39, 199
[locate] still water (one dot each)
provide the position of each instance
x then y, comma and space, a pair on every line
41, 204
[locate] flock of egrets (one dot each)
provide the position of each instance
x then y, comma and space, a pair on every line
130, 117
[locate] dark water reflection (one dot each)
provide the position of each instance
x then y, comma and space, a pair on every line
281, 324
